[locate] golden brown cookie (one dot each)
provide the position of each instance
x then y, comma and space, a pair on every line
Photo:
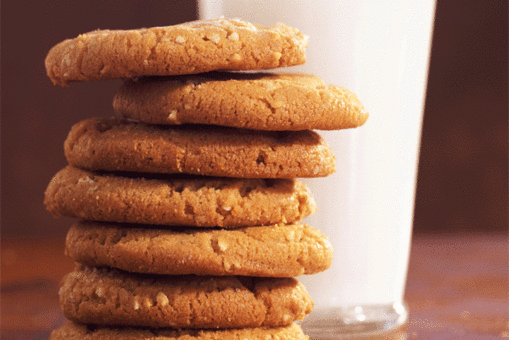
177, 200
74, 331
193, 47
266, 251
261, 101
121, 145
110, 297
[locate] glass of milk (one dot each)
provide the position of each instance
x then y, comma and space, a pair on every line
379, 50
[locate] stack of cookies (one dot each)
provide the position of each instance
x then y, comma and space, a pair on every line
187, 200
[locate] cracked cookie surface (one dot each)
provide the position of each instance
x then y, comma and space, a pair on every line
260, 101
102, 296
261, 251
74, 331
188, 48
176, 200
112, 144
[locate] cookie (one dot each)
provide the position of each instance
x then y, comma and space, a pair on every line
120, 145
262, 251
177, 200
74, 331
110, 297
261, 101
189, 48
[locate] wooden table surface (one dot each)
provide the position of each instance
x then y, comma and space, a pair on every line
457, 288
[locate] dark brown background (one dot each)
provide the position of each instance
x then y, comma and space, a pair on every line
463, 175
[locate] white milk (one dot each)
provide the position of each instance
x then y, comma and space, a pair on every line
380, 51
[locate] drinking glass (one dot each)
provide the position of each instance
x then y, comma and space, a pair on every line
379, 50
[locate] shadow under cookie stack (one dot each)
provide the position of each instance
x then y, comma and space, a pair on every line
187, 201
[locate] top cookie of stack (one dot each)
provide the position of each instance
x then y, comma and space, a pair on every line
189, 48
238, 139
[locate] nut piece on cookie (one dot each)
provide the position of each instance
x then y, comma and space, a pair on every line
260, 101
189, 48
